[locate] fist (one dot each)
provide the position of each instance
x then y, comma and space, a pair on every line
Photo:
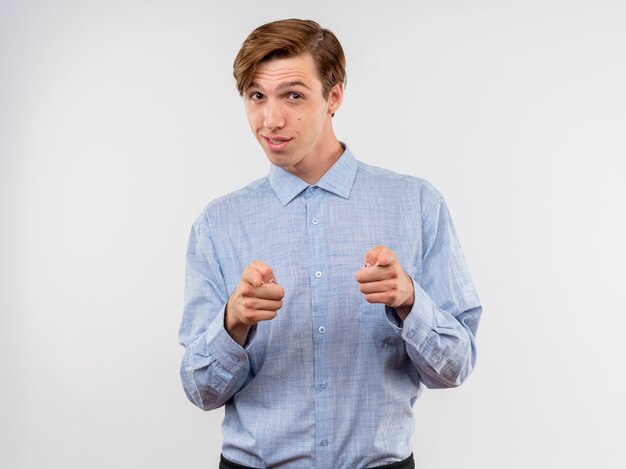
383, 280
257, 297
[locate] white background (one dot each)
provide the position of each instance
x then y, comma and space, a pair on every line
119, 121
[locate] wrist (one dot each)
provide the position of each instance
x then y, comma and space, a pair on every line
403, 311
236, 329
407, 305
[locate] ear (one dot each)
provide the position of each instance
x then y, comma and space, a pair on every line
335, 98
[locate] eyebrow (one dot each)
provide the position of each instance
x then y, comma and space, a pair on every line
281, 86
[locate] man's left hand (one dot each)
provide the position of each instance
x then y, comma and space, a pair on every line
383, 280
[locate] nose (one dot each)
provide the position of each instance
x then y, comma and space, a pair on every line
273, 118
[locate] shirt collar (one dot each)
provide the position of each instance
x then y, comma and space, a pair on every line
338, 179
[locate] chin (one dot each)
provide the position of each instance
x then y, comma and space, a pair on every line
279, 162
278, 159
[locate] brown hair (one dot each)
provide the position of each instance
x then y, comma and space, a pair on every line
290, 38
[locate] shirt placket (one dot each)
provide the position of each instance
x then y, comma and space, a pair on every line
319, 279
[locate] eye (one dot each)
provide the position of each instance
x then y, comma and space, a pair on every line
256, 96
295, 96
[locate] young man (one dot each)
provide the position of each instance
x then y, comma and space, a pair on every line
323, 297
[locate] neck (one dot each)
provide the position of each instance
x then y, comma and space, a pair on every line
322, 163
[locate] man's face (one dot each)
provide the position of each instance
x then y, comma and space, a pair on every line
289, 115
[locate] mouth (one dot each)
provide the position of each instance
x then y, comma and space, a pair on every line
276, 143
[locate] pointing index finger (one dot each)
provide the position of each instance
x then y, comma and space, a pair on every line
385, 258
252, 276
265, 270
371, 256
379, 256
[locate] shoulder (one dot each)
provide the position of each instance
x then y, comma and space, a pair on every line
410, 188
234, 203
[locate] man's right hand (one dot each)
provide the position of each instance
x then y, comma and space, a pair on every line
257, 298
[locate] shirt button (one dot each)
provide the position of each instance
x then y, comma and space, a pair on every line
410, 334
315, 221
318, 274
323, 385
322, 329
324, 442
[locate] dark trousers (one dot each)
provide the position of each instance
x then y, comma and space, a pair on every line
408, 463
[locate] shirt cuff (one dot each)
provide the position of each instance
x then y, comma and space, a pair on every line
421, 320
222, 346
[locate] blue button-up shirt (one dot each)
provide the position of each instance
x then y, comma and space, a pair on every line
331, 381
